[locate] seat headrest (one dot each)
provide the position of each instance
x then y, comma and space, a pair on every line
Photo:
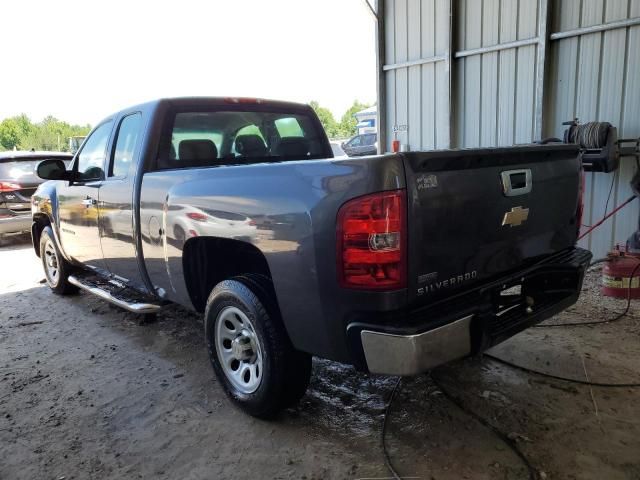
197, 152
250, 146
292, 147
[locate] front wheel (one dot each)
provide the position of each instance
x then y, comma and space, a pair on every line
56, 268
250, 351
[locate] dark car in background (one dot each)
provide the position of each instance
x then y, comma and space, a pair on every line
18, 181
360, 145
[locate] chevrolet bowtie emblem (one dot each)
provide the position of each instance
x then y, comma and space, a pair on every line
515, 217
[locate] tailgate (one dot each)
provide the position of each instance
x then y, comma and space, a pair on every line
476, 214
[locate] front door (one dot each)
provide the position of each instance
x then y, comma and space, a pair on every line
78, 201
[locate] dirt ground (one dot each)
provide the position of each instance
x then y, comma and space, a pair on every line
88, 393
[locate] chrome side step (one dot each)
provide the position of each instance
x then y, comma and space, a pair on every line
133, 302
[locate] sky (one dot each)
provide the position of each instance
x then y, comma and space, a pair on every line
82, 60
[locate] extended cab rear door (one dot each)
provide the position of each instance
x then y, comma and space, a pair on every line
78, 201
116, 201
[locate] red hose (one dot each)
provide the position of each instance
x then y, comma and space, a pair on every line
604, 219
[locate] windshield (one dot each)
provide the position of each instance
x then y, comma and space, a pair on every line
232, 137
22, 171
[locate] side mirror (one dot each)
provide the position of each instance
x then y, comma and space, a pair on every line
53, 169
343, 144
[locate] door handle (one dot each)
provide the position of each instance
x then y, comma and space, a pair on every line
88, 202
516, 182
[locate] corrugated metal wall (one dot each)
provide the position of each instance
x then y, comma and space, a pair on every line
417, 72
596, 77
477, 79
494, 103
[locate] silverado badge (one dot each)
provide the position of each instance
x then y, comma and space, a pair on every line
515, 217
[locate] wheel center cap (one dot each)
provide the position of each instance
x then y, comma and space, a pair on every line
241, 347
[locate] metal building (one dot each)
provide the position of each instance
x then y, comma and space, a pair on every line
469, 73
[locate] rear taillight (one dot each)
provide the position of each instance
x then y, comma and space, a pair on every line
197, 216
372, 242
9, 187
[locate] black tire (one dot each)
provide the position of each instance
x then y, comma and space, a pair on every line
58, 283
179, 235
300, 366
285, 371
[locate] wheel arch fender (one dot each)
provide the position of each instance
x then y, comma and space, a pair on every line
44, 206
207, 261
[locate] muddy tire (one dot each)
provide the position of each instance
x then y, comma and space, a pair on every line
56, 268
249, 349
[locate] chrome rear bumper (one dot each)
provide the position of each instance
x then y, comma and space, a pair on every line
391, 354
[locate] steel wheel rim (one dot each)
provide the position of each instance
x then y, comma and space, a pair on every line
239, 350
51, 264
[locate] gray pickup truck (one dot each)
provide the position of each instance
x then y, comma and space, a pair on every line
234, 207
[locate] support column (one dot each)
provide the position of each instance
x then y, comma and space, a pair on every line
544, 16
381, 84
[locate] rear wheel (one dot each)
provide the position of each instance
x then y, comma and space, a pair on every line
56, 268
250, 351
179, 235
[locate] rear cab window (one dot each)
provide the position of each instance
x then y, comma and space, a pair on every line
240, 134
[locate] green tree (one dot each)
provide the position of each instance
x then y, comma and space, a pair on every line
24, 124
51, 134
326, 119
13, 130
9, 133
348, 122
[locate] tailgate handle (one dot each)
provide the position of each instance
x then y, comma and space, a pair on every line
516, 182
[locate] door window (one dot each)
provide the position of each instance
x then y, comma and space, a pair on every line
90, 162
127, 140
369, 140
355, 141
